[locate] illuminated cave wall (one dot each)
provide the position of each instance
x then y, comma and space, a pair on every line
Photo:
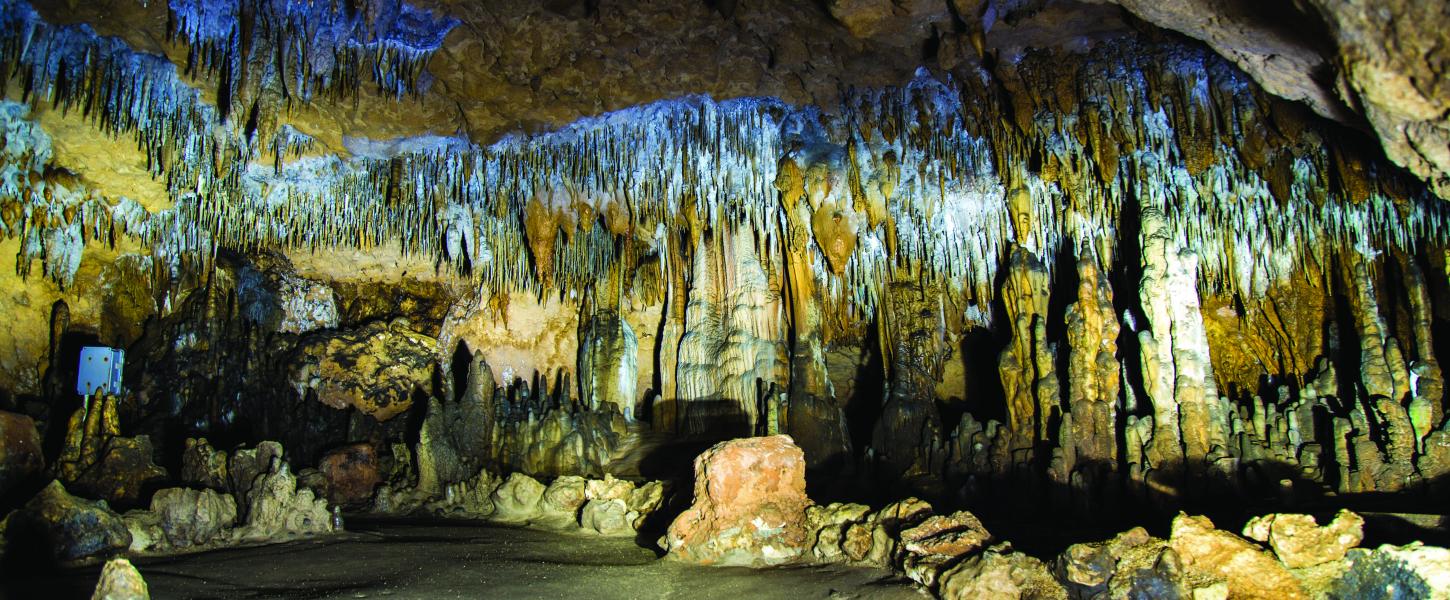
1122, 269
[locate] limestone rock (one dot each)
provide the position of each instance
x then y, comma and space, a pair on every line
950, 536
645, 500
830, 526
204, 466
71, 528
21, 458
99, 462
1112, 568
120, 581
351, 474
145, 528
1300, 542
374, 368
1222, 556
749, 507
1001, 576
518, 498
274, 296
473, 497
246, 465
606, 517
1412, 571
564, 497
191, 517
279, 509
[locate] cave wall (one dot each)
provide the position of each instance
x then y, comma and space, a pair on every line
1101, 258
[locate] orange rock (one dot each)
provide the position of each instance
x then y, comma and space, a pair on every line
351, 473
750, 503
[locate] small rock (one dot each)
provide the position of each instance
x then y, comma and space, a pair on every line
606, 517
204, 466
946, 536
1300, 542
518, 498
120, 581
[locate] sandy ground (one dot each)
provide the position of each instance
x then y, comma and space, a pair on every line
398, 560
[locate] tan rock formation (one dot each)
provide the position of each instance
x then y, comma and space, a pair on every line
1299, 541
749, 506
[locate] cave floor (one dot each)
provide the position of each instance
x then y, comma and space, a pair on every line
440, 559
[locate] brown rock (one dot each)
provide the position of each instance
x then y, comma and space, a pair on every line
1219, 555
1300, 542
750, 502
20, 454
120, 581
946, 536
351, 473
374, 368
1001, 576
204, 466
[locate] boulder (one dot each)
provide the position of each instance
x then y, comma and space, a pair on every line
606, 517
204, 466
1300, 542
564, 497
280, 509
1218, 555
939, 541
190, 517
1412, 571
1112, 568
246, 465
120, 581
1000, 576
351, 474
518, 498
146, 532
21, 458
829, 526
71, 528
644, 500
749, 507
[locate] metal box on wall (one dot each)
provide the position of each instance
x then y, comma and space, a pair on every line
100, 370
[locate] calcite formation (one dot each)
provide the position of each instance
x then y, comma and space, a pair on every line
521, 261
749, 507
375, 369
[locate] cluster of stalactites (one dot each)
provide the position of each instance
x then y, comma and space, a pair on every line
309, 46
934, 182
